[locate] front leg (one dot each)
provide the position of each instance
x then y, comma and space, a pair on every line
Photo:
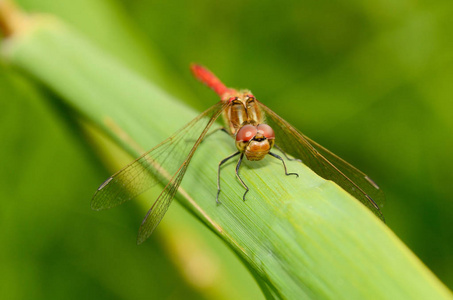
218, 174
239, 177
284, 165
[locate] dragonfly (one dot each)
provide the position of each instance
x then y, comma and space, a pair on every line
256, 129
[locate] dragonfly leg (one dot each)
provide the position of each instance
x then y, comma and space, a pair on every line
222, 129
286, 156
215, 130
239, 177
209, 134
218, 174
284, 165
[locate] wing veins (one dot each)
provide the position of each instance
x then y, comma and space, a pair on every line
323, 164
149, 169
160, 206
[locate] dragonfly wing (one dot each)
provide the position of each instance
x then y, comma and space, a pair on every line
325, 163
159, 208
361, 179
155, 166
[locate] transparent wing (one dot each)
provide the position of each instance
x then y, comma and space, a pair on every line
157, 166
325, 163
159, 208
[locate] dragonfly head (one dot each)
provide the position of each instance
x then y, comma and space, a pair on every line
255, 141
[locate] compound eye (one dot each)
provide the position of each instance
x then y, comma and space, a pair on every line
246, 133
266, 130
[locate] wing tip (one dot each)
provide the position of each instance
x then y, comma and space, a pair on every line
95, 206
142, 236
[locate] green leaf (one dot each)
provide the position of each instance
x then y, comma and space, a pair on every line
300, 237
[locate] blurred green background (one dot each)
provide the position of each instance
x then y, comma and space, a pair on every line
372, 81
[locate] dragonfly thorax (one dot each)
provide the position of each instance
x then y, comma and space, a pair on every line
242, 109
